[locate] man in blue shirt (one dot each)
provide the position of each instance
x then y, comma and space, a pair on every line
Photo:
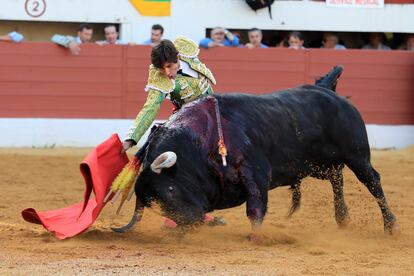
156, 35
255, 39
85, 33
220, 37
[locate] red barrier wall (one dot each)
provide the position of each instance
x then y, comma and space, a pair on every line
399, 2
404, 2
44, 80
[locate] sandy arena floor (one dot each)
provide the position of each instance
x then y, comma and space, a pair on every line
310, 243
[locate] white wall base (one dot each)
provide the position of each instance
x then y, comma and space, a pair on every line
91, 132
382, 136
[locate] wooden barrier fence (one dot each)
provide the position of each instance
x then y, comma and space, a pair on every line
42, 80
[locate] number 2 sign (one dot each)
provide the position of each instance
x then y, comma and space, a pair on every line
35, 8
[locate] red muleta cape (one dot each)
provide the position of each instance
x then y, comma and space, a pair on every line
99, 168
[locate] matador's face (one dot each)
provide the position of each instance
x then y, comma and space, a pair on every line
170, 69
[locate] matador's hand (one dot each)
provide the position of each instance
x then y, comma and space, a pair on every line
126, 145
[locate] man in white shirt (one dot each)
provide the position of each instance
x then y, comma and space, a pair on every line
296, 40
13, 37
111, 36
376, 42
330, 41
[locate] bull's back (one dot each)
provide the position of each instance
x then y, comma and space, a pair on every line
287, 132
298, 124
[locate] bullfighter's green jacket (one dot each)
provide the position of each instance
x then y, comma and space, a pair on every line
193, 81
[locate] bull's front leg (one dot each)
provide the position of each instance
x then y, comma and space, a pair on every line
256, 185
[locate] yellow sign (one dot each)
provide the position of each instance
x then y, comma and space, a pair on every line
152, 7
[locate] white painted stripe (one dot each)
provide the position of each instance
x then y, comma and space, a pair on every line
29, 132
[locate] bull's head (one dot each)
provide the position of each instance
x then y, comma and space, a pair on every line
174, 184
175, 175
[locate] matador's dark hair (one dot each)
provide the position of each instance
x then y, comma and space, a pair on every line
163, 52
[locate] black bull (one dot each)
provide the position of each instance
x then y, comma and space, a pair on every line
272, 140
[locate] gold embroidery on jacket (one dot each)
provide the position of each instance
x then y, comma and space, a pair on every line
159, 81
189, 50
147, 115
186, 47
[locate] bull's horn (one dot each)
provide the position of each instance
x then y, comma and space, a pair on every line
164, 160
139, 210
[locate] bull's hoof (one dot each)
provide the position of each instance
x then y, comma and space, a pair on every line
256, 238
392, 228
252, 237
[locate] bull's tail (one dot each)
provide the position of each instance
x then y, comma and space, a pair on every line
330, 80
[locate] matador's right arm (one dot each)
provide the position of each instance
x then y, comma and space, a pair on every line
146, 116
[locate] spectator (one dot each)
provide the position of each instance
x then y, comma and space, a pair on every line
13, 37
255, 39
281, 40
295, 40
330, 41
283, 43
156, 35
220, 37
376, 42
85, 33
409, 43
111, 36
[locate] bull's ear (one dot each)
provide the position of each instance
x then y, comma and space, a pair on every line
164, 160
